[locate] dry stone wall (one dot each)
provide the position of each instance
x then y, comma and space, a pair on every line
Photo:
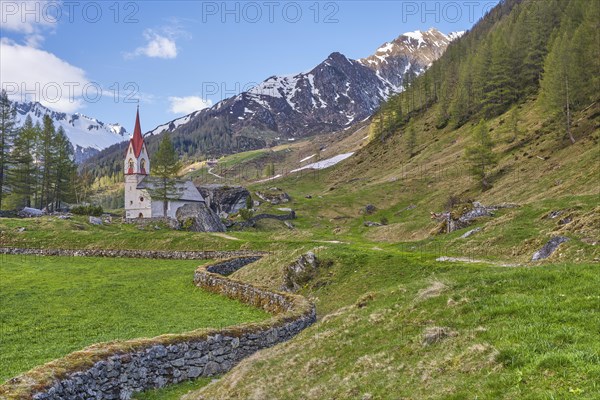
117, 370
166, 255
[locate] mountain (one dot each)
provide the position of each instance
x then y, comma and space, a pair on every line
411, 52
87, 135
333, 95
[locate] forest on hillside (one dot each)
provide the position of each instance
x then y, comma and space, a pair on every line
543, 49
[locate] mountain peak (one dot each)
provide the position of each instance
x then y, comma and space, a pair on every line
87, 135
333, 95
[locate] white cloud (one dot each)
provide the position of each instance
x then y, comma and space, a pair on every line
31, 74
29, 18
157, 46
187, 105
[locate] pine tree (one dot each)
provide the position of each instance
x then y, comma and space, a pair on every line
513, 123
499, 90
64, 169
480, 156
48, 155
23, 173
558, 83
7, 134
165, 166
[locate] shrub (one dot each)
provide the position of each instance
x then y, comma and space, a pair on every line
246, 214
188, 223
92, 210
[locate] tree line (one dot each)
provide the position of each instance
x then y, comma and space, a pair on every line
548, 51
521, 49
37, 167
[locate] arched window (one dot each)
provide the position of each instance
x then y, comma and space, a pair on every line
143, 166
130, 168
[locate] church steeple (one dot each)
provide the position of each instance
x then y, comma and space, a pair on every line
137, 160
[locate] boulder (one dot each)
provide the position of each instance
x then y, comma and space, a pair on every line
197, 217
224, 199
549, 248
371, 224
95, 220
274, 196
29, 212
300, 272
369, 209
471, 232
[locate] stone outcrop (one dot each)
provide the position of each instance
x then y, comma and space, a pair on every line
224, 199
197, 217
116, 370
29, 212
301, 271
274, 196
462, 215
549, 248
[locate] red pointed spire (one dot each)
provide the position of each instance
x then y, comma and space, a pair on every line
137, 141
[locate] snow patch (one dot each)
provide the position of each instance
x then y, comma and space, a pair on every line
330, 162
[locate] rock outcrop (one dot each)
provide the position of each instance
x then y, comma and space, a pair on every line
223, 198
197, 217
549, 248
274, 196
301, 271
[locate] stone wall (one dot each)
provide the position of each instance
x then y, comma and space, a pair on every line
117, 370
166, 255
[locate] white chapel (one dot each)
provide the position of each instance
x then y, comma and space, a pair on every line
139, 184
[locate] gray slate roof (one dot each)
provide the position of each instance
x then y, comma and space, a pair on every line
186, 191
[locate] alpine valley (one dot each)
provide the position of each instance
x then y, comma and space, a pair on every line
421, 223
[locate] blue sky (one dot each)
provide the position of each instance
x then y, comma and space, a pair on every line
176, 56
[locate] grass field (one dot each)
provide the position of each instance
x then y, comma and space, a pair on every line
50, 306
526, 333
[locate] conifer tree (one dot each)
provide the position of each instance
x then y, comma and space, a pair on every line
23, 173
480, 156
48, 155
165, 166
64, 169
7, 133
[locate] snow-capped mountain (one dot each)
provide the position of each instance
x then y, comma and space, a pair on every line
87, 135
411, 51
335, 94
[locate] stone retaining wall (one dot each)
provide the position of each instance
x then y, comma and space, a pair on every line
166, 255
117, 370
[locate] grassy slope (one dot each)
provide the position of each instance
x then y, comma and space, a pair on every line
520, 332
524, 332
517, 333
51, 306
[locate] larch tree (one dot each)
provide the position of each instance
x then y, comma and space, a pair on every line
165, 166
480, 156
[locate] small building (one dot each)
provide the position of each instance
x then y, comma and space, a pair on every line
139, 185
